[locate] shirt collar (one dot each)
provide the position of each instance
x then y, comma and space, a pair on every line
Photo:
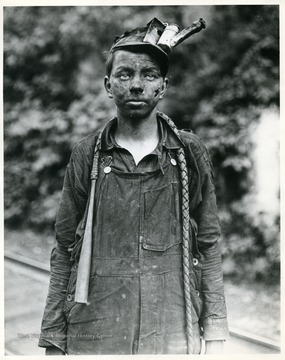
168, 138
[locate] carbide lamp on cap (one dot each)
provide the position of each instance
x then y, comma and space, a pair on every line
157, 38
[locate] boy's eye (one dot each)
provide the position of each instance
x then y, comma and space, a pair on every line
124, 76
150, 76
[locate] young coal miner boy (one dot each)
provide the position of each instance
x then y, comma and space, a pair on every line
137, 266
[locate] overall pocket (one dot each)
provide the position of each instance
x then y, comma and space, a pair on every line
161, 218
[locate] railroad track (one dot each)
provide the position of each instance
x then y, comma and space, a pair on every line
26, 262
241, 341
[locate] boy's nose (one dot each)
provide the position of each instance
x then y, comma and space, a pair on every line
136, 86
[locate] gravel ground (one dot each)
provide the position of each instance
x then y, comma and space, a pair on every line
252, 307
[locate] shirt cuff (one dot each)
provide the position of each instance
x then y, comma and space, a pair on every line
49, 343
215, 329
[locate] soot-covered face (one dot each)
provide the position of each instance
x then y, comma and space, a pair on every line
135, 83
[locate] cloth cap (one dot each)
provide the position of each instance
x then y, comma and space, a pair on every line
157, 39
135, 40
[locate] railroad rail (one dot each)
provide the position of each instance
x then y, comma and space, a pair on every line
240, 339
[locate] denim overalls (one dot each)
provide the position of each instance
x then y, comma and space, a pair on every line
136, 299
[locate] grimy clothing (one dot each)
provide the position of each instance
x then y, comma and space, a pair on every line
136, 299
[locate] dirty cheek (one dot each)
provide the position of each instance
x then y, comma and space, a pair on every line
120, 90
156, 92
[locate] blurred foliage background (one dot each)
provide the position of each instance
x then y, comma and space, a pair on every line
221, 82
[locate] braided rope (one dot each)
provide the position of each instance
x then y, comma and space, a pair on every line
95, 168
185, 236
186, 247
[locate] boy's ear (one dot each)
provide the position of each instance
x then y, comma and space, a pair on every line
164, 88
108, 87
